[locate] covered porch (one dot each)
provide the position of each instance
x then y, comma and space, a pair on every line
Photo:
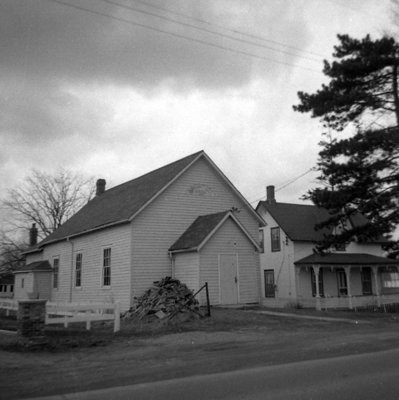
346, 280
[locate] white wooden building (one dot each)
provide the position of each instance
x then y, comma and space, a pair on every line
354, 275
122, 240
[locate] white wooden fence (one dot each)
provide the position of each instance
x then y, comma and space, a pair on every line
66, 313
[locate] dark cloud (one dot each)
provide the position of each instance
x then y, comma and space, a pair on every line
44, 39
48, 48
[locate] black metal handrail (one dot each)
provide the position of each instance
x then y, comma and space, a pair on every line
208, 305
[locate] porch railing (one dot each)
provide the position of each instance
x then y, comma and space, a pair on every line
384, 301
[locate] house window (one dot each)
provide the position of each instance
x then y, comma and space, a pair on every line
56, 267
12, 288
1, 288
321, 282
262, 240
275, 239
366, 281
340, 246
78, 270
269, 283
342, 284
22, 283
107, 267
390, 280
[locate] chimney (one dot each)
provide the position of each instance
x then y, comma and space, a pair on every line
33, 235
270, 199
100, 187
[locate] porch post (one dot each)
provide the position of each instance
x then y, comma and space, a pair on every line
348, 282
316, 271
297, 272
377, 286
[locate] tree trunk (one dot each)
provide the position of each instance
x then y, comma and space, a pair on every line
395, 91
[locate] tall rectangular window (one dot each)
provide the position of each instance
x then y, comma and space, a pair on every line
78, 270
366, 281
261, 240
342, 284
107, 267
56, 267
275, 239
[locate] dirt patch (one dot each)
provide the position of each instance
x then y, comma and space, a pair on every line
144, 352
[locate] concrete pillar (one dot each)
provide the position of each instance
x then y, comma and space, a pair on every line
31, 317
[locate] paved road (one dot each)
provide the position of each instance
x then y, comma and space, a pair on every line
366, 376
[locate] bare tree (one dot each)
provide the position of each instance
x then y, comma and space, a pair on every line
48, 200
11, 253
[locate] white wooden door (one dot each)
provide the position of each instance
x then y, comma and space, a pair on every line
228, 273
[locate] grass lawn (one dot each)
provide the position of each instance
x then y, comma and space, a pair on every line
74, 360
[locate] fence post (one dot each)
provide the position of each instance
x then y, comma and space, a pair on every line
207, 299
88, 324
117, 315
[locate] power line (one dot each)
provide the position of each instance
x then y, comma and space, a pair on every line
289, 182
319, 59
177, 35
295, 179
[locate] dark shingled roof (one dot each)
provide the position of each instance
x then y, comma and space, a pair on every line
346, 259
198, 231
35, 266
120, 203
298, 221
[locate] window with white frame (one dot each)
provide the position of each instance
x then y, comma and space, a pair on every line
56, 268
78, 270
107, 267
390, 280
275, 239
262, 240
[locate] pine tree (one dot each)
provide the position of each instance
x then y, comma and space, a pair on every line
359, 174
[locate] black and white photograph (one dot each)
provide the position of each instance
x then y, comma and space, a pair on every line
199, 199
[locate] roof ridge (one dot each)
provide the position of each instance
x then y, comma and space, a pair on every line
154, 171
292, 204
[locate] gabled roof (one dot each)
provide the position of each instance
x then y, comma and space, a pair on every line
298, 221
202, 229
122, 203
345, 259
35, 267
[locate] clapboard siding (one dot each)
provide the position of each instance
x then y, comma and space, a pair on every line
91, 246
199, 191
187, 269
23, 293
229, 239
43, 285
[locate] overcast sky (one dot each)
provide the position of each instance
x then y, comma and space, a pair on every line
109, 89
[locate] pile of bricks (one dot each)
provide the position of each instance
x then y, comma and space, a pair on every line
167, 299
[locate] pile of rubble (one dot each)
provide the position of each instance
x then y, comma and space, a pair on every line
167, 298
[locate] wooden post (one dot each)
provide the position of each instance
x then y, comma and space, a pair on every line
117, 315
377, 286
316, 271
207, 300
348, 282
88, 324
